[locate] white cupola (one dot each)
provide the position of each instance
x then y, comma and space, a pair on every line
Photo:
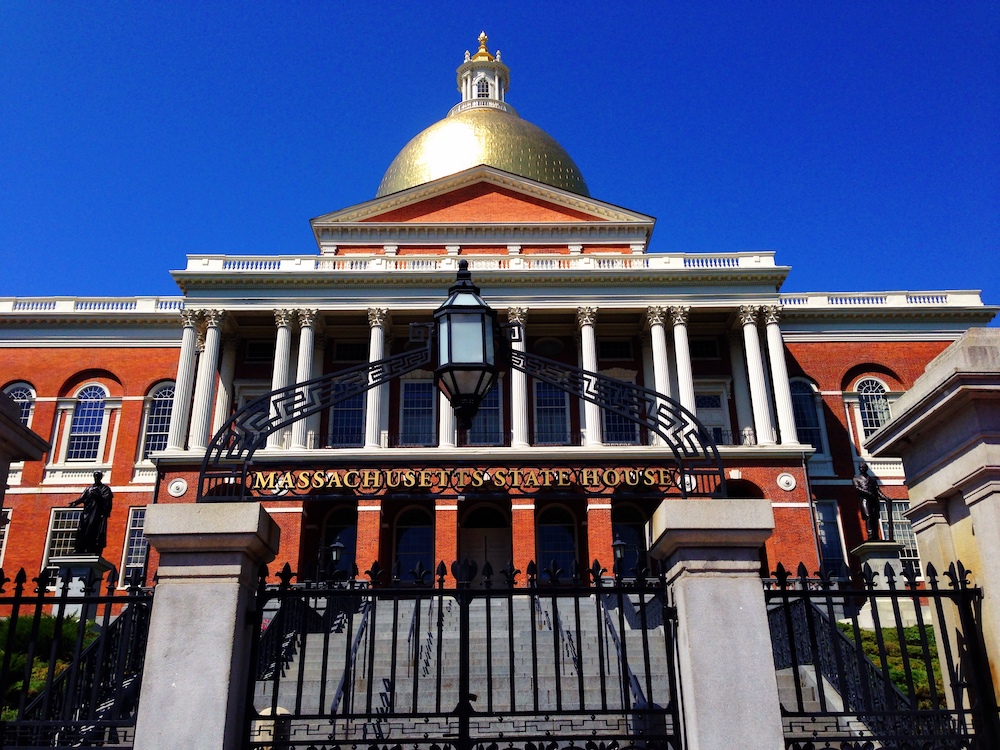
483, 80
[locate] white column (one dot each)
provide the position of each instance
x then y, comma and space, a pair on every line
755, 372
181, 407
204, 389
377, 317
519, 383
224, 396
282, 361
303, 370
446, 423
655, 319
586, 317
741, 392
779, 376
682, 353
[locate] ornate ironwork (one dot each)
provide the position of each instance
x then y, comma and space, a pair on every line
416, 663
248, 429
692, 445
90, 663
842, 682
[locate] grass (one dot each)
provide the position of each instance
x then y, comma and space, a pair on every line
894, 661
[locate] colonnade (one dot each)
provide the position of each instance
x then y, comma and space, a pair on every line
761, 392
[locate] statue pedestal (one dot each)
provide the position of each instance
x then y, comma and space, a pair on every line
877, 555
77, 568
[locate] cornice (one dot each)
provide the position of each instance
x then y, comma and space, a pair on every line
487, 233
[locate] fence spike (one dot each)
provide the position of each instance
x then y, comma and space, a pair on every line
487, 575
782, 576
285, 575
890, 576
802, 573
4, 580
532, 574
868, 576
374, 573
597, 572
553, 572
510, 573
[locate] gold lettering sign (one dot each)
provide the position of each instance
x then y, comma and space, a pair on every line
527, 478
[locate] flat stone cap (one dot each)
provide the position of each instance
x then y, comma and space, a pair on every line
211, 527
723, 522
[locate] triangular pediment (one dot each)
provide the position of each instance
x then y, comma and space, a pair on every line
482, 195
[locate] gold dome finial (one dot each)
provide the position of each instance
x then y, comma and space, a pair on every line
483, 53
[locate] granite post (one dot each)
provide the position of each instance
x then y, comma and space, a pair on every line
728, 686
198, 657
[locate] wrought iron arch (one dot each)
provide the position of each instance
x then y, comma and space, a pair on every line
233, 446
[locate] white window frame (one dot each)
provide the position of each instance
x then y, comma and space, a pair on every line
840, 529
534, 408
852, 403
499, 391
62, 470
820, 462
626, 376
5, 516
130, 527
719, 388
900, 521
34, 396
419, 376
149, 400
341, 407
50, 532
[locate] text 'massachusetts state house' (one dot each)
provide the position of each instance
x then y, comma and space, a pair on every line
789, 385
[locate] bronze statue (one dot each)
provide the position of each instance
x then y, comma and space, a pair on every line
871, 496
92, 533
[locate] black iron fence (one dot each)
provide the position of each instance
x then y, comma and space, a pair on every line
71, 665
896, 667
558, 663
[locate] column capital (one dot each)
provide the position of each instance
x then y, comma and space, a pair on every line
656, 316
680, 314
748, 315
771, 314
517, 315
283, 318
190, 318
586, 316
213, 318
377, 316
307, 318
199, 342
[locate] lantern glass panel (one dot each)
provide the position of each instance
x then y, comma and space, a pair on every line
489, 346
444, 337
466, 338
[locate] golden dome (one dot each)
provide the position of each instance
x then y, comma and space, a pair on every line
482, 135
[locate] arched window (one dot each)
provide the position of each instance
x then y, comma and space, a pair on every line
482, 89
158, 419
805, 407
24, 397
87, 427
342, 525
628, 525
873, 405
414, 541
556, 539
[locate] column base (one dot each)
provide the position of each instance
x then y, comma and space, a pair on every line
77, 568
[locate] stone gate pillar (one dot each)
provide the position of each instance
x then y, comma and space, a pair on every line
198, 657
729, 691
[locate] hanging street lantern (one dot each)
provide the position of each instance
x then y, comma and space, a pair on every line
467, 367
618, 547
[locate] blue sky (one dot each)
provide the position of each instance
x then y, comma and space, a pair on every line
859, 140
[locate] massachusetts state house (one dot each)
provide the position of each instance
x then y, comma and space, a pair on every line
788, 385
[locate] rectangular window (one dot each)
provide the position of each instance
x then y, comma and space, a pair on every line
134, 556
619, 430
347, 422
259, 352
63, 524
551, 415
487, 426
710, 409
704, 348
614, 349
418, 425
903, 530
831, 542
5, 519
351, 351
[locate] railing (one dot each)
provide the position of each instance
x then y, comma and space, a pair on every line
90, 305
881, 299
420, 664
72, 677
864, 663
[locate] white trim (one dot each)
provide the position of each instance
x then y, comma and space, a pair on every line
789, 505
294, 509
526, 506
445, 507
377, 508
600, 506
5, 531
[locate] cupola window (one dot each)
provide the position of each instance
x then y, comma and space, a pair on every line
483, 89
